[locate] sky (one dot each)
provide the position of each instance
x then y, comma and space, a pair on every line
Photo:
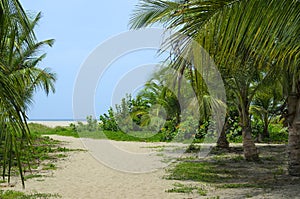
78, 27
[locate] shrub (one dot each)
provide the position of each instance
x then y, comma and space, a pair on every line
91, 125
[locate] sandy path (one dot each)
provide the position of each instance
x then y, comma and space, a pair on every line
82, 176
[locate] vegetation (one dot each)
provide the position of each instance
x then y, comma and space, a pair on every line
39, 129
228, 169
181, 188
41, 156
256, 48
254, 45
20, 195
19, 78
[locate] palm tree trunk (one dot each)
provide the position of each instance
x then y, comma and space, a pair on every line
222, 140
250, 150
265, 134
294, 134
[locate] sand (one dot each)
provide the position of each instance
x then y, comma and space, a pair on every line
109, 169
53, 124
80, 175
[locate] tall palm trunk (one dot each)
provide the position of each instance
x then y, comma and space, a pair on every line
294, 134
250, 150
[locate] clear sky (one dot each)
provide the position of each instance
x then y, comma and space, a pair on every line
78, 28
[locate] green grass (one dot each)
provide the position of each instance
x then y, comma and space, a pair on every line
43, 149
9, 194
198, 171
228, 169
182, 188
39, 129
49, 166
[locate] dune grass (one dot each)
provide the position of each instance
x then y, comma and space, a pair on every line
39, 129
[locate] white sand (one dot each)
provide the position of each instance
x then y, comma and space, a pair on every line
82, 176
53, 124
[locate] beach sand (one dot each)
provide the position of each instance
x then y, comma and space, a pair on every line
53, 124
80, 175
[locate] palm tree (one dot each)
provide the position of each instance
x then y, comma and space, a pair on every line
191, 18
158, 91
241, 36
19, 78
267, 104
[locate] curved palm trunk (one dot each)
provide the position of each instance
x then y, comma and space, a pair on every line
294, 134
250, 150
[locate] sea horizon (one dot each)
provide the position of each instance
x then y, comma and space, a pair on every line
56, 119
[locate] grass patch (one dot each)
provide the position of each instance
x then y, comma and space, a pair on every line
39, 129
9, 194
225, 169
41, 155
49, 166
197, 171
192, 148
182, 188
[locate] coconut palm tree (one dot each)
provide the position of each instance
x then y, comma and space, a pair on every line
267, 104
243, 37
19, 78
192, 18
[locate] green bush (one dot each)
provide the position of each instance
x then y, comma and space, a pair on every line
234, 131
169, 131
278, 133
108, 122
90, 126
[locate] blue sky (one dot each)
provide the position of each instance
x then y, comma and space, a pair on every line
78, 28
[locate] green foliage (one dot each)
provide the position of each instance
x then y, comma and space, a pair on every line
39, 129
169, 130
188, 128
254, 44
192, 148
20, 77
278, 133
123, 116
234, 130
108, 122
90, 126
43, 153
